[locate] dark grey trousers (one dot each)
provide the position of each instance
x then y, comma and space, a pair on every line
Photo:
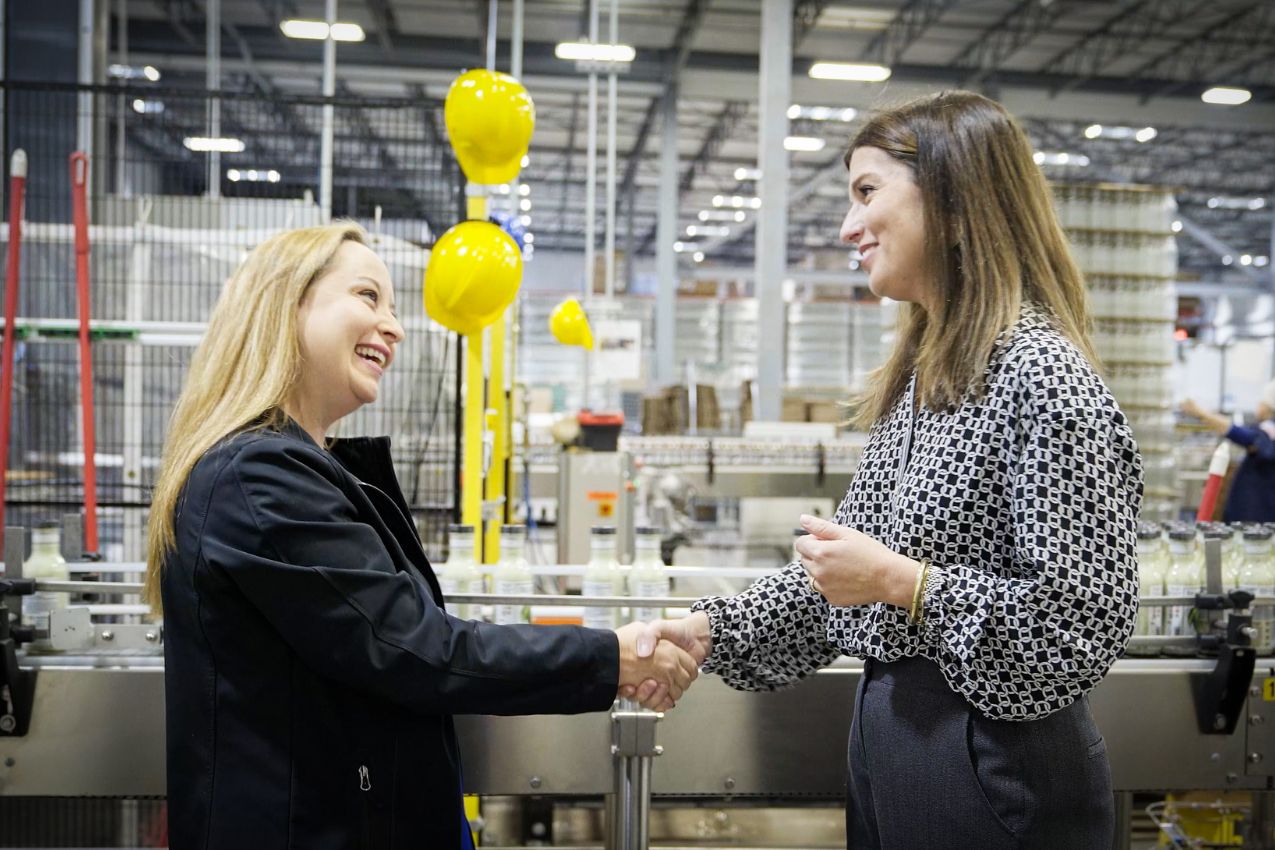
927, 771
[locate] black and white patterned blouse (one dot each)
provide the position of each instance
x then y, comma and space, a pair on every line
1025, 502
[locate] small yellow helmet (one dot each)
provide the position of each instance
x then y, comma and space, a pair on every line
474, 272
570, 326
490, 118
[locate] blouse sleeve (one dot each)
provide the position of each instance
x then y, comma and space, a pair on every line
770, 636
1018, 648
1256, 440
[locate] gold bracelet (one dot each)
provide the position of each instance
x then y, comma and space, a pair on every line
916, 613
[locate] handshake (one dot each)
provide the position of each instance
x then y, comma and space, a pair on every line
659, 660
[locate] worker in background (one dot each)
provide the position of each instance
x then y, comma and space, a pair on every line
1252, 494
311, 670
983, 561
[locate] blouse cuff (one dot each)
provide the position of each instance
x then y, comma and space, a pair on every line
714, 607
931, 595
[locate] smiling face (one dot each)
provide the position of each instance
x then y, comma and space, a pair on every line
886, 221
348, 332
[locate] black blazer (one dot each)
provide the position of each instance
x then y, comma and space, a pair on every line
311, 672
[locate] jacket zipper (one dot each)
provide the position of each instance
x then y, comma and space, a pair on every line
365, 785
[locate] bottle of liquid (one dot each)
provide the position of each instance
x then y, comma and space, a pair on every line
1258, 578
602, 577
1233, 555
45, 564
648, 576
512, 576
460, 574
1183, 578
1151, 568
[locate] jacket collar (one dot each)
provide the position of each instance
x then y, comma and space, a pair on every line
366, 458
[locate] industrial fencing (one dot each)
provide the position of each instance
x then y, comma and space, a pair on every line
169, 223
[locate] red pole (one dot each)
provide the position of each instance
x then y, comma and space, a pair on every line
17, 191
79, 162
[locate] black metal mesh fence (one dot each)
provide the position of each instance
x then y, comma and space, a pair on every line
169, 224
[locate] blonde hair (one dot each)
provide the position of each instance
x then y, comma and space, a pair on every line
992, 241
244, 369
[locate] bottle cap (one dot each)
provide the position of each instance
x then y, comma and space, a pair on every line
603, 529
460, 528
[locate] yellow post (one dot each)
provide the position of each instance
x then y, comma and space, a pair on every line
472, 464
475, 404
497, 417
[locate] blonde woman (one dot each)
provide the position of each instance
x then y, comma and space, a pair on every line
983, 561
311, 671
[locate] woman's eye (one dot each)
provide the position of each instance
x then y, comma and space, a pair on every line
864, 191
371, 294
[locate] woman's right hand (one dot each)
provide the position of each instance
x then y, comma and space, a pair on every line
690, 634
667, 668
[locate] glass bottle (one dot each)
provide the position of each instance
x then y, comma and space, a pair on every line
1183, 578
1151, 569
45, 564
648, 576
512, 576
460, 573
1258, 578
602, 577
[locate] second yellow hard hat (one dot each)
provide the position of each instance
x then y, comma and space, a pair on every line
474, 272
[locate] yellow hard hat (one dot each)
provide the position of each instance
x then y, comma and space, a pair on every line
473, 274
489, 118
570, 326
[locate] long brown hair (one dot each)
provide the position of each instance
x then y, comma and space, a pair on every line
993, 241
244, 369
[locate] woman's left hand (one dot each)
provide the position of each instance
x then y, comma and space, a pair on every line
850, 568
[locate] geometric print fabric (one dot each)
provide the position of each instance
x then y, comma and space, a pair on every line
1024, 501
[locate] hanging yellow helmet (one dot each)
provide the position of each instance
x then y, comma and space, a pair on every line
473, 274
489, 119
570, 326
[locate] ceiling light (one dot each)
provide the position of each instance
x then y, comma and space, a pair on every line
740, 216
583, 51
1176, 227
347, 32
1146, 134
133, 72
147, 107
707, 230
220, 145
525, 205
529, 238
525, 220
1226, 96
1246, 259
821, 113
524, 190
1261, 260
679, 247
1227, 260
808, 144
698, 256
1093, 131
747, 173
1233, 203
526, 160
720, 215
853, 71
252, 175
1060, 158
318, 30
502, 189
736, 201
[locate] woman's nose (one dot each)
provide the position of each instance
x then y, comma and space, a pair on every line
392, 329
852, 227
